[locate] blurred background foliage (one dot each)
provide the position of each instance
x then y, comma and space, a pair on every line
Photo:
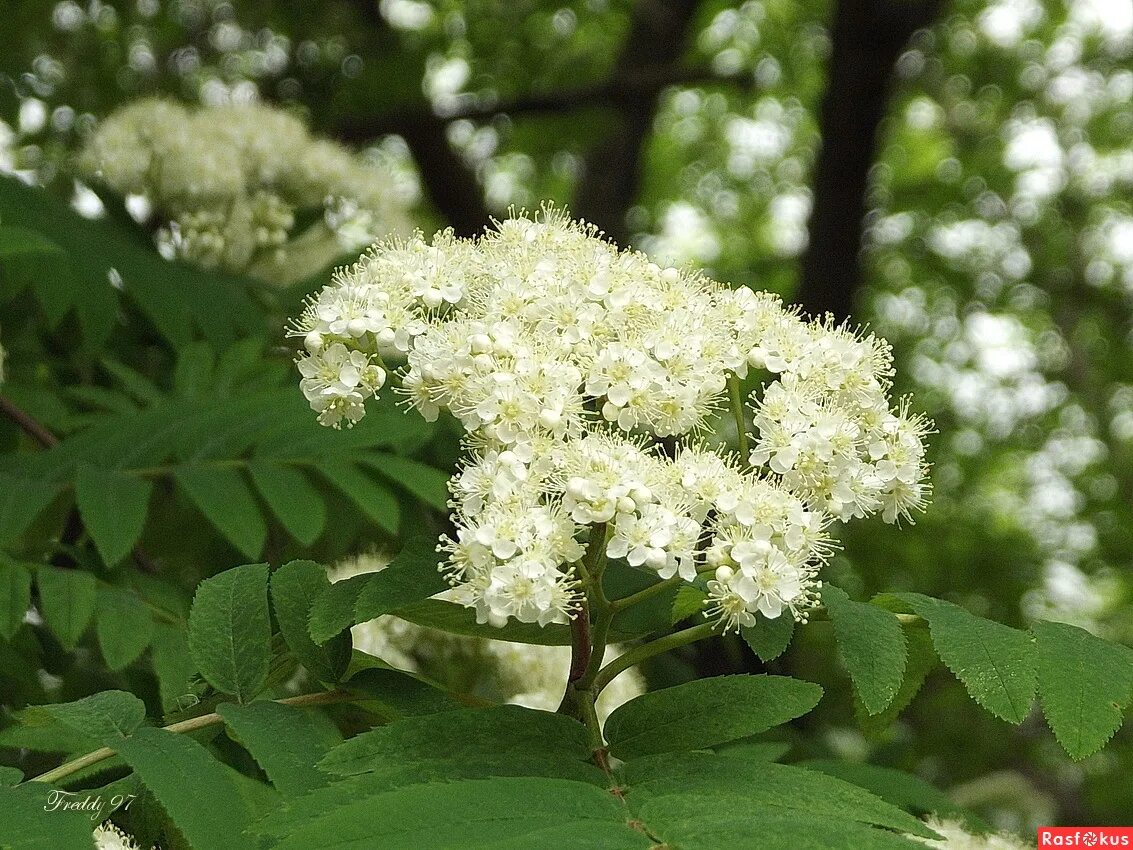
957, 174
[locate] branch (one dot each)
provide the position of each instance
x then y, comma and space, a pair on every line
612, 168
867, 38
28, 424
193, 723
74, 525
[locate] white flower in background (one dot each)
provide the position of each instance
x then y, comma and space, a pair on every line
957, 837
109, 837
515, 673
225, 184
581, 375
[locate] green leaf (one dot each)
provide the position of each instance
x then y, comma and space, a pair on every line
902, 789
113, 506
699, 822
294, 588
1084, 682
15, 596
67, 600
196, 791
173, 666
427, 483
707, 712
504, 740
921, 659
284, 740
133, 382
21, 501
995, 662
107, 716
296, 503
459, 620
411, 576
24, 825
124, 626
688, 601
230, 630
515, 813
753, 787
223, 496
395, 694
173, 295
375, 501
769, 639
871, 646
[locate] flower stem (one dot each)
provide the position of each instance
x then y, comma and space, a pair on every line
642, 595
648, 650
736, 399
190, 725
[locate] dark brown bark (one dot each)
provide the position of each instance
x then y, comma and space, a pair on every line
612, 169
868, 36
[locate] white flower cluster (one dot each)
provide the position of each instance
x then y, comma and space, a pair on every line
226, 184
956, 836
109, 837
579, 373
499, 671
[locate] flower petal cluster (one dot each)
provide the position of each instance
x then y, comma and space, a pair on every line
226, 183
582, 375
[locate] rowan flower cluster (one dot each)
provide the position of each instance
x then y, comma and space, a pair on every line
226, 184
582, 375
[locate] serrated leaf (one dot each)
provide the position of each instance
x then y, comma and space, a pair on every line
515, 813
292, 498
762, 785
113, 506
707, 712
902, 789
395, 694
701, 822
294, 588
688, 601
196, 791
173, 666
1085, 683
15, 596
25, 825
123, 626
920, 660
411, 576
284, 740
21, 501
225, 499
995, 662
871, 646
230, 630
459, 620
427, 483
67, 600
375, 501
107, 716
769, 639
509, 739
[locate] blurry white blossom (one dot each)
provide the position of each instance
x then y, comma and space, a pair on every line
227, 184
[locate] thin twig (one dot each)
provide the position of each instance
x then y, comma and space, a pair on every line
190, 725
